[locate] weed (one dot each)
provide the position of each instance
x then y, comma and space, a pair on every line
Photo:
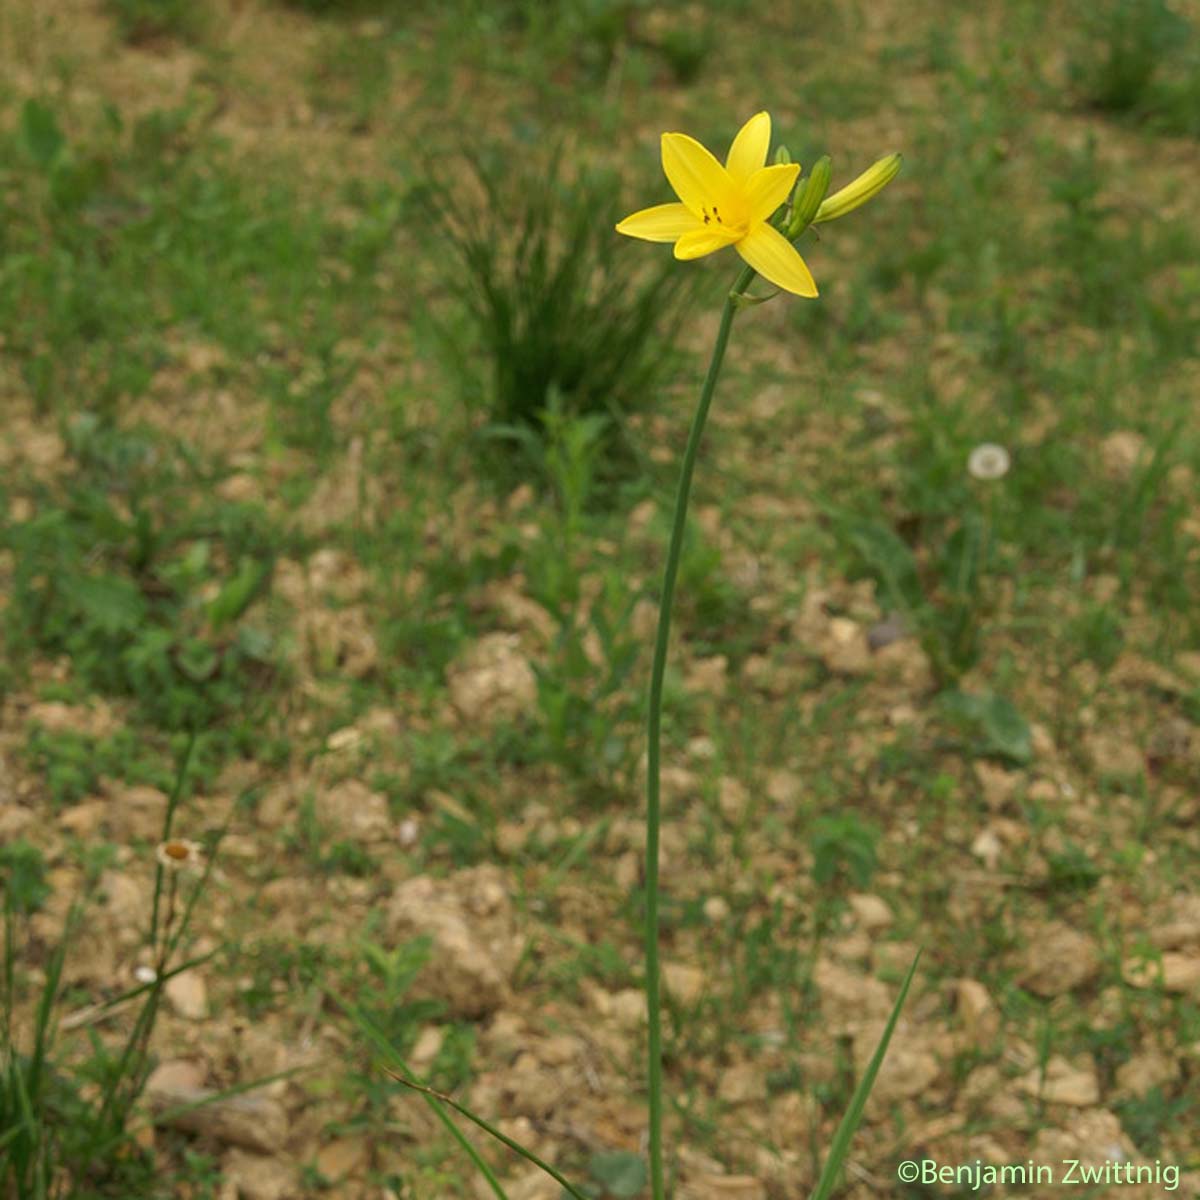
350, 75
23, 871
72, 1127
586, 707
1138, 57
843, 847
1146, 1117
112, 575
141, 21
555, 309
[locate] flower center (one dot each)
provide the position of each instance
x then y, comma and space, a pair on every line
727, 222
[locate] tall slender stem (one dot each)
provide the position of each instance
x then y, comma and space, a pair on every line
654, 734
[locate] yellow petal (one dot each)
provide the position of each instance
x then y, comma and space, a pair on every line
698, 179
768, 188
662, 223
701, 241
776, 260
749, 149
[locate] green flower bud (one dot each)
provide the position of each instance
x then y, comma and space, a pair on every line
808, 198
782, 157
874, 179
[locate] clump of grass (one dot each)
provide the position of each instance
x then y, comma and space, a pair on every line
140, 21
59, 1137
1138, 58
350, 75
557, 311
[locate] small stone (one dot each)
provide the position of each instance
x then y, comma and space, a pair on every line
1177, 973
743, 1084
84, 820
342, 1157
425, 1049
884, 633
1114, 756
732, 799
722, 1187
988, 848
1120, 453
1063, 1082
351, 811
707, 676
998, 784
470, 921
1145, 1071
257, 1177
685, 982
188, 995
844, 649
1094, 1138
628, 1007
176, 1074
978, 1012
1058, 960
906, 665
784, 788
872, 912
909, 1069
493, 680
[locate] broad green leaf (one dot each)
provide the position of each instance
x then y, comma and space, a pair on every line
623, 1174
1007, 731
109, 603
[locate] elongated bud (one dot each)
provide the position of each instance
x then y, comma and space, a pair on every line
809, 197
873, 179
782, 157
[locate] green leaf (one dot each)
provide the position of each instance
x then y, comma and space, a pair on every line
1007, 731
887, 555
843, 842
198, 660
41, 134
109, 603
239, 592
622, 1173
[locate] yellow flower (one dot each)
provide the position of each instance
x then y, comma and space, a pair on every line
727, 205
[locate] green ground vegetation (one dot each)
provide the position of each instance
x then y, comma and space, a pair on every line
320, 364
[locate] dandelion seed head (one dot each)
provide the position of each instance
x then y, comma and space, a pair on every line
988, 461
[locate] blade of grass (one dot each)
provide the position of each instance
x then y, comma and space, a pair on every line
387, 1051
841, 1141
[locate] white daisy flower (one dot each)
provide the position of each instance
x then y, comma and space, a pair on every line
181, 855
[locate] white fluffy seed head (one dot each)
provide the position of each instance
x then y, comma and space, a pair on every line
988, 461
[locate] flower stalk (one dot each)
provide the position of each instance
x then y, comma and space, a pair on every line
742, 204
654, 728
736, 205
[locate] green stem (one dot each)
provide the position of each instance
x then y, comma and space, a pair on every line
654, 734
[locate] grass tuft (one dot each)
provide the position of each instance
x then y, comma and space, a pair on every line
565, 321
